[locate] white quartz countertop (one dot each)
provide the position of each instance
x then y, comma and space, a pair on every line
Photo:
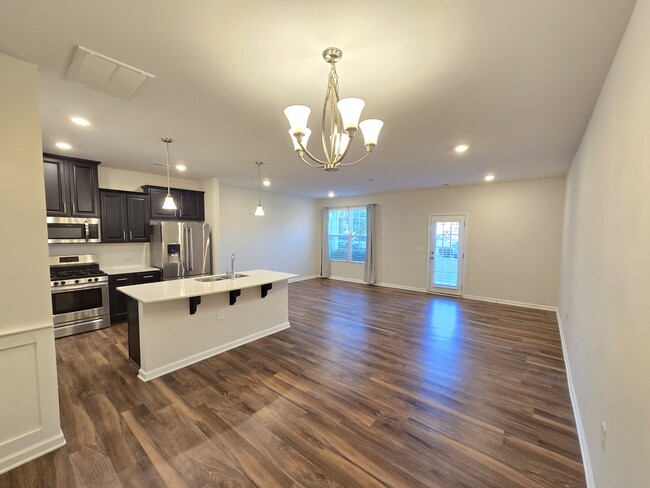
189, 287
133, 268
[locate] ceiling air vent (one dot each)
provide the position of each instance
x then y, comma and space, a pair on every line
106, 74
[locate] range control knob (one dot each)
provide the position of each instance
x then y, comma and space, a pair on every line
56, 283
76, 281
96, 280
63, 282
90, 280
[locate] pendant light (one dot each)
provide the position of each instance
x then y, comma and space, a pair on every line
259, 211
169, 203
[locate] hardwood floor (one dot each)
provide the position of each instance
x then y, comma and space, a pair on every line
369, 387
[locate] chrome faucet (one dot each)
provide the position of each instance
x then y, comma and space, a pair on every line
232, 265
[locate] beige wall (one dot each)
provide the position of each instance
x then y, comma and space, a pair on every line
121, 179
605, 265
29, 403
285, 239
514, 235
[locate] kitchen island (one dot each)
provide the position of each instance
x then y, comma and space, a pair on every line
173, 324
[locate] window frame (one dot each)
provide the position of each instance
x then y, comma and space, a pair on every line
349, 235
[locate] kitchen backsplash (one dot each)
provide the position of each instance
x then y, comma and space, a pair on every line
127, 254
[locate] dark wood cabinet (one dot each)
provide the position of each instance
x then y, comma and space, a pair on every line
118, 300
125, 216
71, 187
190, 204
157, 197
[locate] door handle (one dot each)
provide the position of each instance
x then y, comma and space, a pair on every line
124, 235
130, 234
191, 248
65, 208
121, 279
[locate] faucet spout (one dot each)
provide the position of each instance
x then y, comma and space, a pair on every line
232, 265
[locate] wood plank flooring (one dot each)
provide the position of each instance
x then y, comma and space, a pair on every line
370, 387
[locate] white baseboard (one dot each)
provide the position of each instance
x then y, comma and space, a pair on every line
586, 461
469, 297
32, 452
343, 278
303, 278
511, 302
401, 287
168, 368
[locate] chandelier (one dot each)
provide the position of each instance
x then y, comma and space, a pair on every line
340, 117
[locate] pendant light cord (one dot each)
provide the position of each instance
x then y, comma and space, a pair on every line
259, 184
168, 188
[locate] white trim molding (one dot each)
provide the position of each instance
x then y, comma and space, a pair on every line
586, 460
303, 278
29, 401
536, 306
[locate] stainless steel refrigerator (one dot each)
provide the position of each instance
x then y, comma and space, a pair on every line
181, 249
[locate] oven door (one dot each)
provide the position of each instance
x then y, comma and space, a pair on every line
79, 302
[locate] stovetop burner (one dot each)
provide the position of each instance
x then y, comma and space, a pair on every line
59, 274
75, 270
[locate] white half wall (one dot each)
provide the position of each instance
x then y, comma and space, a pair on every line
604, 274
514, 236
29, 402
285, 239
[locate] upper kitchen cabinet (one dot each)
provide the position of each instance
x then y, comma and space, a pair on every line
125, 216
71, 188
190, 204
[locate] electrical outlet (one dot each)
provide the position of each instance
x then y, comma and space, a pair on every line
603, 435
220, 314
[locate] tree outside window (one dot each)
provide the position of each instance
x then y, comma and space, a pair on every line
347, 234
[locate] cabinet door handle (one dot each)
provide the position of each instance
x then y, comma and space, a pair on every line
74, 210
65, 208
124, 235
130, 234
147, 276
121, 279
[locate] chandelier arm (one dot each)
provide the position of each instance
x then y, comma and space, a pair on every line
357, 161
320, 165
345, 153
326, 150
311, 156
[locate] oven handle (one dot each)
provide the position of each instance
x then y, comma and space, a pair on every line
78, 287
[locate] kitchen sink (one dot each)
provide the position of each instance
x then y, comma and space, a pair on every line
221, 277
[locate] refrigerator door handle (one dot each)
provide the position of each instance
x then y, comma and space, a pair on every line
190, 247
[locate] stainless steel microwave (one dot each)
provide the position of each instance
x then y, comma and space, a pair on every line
70, 230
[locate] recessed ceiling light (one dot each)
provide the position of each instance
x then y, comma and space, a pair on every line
488, 177
331, 194
266, 182
461, 148
63, 145
80, 121
181, 167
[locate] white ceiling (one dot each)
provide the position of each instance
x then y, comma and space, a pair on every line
515, 79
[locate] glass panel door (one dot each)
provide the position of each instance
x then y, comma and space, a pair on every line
446, 253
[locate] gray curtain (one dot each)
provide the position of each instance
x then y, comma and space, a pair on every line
369, 269
325, 268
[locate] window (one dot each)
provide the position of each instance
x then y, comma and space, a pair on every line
347, 234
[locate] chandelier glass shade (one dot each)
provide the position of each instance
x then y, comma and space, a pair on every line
340, 121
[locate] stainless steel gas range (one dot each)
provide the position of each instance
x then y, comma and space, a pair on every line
79, 294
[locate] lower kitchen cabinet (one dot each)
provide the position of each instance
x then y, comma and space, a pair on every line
118, 300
